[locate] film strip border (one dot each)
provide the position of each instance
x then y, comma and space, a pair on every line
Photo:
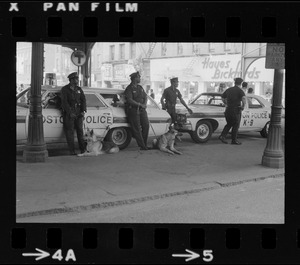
135, 244
162, 21
186, 21
55, 26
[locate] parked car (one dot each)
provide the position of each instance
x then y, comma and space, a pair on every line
208, 116
105, 115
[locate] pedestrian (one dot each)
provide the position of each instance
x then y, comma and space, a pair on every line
74, 108
222, 88
232, 97
136, 104
169, 97
244, 87
152, 95
250, 90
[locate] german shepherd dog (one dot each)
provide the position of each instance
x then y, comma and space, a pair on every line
165, 142
96, 147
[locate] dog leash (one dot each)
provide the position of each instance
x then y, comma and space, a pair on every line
152, 128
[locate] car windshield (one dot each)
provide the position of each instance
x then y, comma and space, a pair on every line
208, 99
23, 98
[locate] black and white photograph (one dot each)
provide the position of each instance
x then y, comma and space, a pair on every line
150, 132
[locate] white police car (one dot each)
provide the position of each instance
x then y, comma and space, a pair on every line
105, 114
208, 116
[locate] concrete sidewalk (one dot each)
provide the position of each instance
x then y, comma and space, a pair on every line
69, 183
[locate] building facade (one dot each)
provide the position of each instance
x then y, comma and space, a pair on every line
200, 67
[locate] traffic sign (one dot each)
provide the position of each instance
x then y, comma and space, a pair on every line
275, 56
78, 58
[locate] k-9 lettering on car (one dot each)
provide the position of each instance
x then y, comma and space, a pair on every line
208, 116
105, 115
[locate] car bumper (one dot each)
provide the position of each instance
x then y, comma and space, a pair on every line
183, 127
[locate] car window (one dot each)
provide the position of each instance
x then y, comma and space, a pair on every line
92, 101
52, 100
253, 103
115, 100
209, 100
23, 98
202, 99
151, 103
216, 101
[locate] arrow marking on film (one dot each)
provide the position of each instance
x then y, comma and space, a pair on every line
41, 255
189, 257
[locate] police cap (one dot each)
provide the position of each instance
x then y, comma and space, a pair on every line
134, 75
238, 80
174, 79
73, 75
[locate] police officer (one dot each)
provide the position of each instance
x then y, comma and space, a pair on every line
74, 108
169, 97
136, 104
232, 97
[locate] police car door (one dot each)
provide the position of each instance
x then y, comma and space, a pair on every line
159, 119
258, 114
99, 115
52, 117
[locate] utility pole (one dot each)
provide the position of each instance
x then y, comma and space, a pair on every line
273, 155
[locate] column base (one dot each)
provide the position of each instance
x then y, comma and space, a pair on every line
35, 154
273, 162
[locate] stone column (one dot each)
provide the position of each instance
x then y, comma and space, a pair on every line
35, 149
273, 155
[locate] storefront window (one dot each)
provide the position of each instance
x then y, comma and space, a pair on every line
112, 52
122, 51
179, 48
163, 49
132, 50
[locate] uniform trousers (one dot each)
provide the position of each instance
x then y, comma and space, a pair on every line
233, 119
69, 125
138, 120
172, 112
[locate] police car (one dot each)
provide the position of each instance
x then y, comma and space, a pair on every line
105, 115
208, 116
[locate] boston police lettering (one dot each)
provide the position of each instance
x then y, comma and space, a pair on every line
98, 119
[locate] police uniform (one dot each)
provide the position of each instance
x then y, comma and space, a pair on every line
170, 95
137, 116
73, 105
233, 112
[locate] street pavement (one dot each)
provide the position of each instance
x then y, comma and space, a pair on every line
76, 185
259, 202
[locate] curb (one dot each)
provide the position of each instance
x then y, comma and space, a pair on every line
105, 205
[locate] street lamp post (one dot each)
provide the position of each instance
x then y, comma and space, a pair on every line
273, 155
35, 149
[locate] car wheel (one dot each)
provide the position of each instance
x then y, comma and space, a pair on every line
120, 136
203, 132
265, 131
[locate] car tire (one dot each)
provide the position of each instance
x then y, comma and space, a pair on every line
120, 136
203, 132
265, 131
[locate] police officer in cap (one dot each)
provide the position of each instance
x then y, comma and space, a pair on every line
169, 97
74, 108
235, 101
136, 104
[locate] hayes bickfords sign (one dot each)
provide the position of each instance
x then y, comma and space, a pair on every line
223, 68
216, 68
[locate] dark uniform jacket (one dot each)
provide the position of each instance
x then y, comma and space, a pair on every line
73, 101
138, 94
171, 96
234, 96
